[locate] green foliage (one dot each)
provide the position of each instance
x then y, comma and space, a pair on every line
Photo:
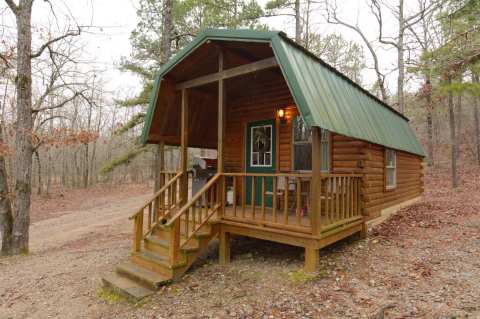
460, 47
136, 120
109, 296
460, 88
346, 56
302, 277
273, 5
189, 18
123, 159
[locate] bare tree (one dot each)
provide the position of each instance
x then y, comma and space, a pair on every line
398, 42
25, 118
332, 17
424, 34
476, 105
453, 133
6, 217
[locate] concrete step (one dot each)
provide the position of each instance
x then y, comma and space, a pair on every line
126, 287
148, 278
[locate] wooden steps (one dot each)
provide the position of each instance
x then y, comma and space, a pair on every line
149, 268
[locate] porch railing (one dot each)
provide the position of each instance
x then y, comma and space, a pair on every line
284, 200
340, 200
276, 200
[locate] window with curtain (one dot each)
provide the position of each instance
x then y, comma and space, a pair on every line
390, 169
302, 146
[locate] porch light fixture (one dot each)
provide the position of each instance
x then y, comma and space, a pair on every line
281, 115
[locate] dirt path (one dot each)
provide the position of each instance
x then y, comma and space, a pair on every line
60, 277
422, 263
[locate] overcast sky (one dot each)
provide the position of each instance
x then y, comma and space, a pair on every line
115, 19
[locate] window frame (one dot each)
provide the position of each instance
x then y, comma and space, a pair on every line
387, 167
323, 141
251, 146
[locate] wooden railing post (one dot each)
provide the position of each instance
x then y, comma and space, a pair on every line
316, 214
361, 204
222, 196
184, 149
138, 231
174, 241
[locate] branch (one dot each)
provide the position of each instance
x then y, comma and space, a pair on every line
12, 6
378, 15
8, 64
424, 11
59, 105
50, 118
380, 77
47, 44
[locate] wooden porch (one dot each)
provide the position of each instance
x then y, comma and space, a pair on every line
285, 214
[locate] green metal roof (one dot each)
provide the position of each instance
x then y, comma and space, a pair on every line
324, 97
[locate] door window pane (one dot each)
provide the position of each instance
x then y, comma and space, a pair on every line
261, 146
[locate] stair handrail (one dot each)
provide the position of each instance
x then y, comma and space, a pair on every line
195, 198
157, 194
157, 205
210, 208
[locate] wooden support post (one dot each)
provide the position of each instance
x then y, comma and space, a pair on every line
175, 229
221, 135
224, 248
364, 231
138, 232
174, 247
316, 214
184, 148
161, 147
312, 258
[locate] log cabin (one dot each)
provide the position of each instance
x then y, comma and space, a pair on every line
305, 156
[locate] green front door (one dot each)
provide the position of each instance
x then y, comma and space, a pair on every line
260, 158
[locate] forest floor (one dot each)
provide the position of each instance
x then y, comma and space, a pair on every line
424, 262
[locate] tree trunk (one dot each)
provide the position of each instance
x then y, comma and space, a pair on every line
167, 30
400, 59
23, 141
459, 123
476, 105
6, 218
39, 172
459, 117
159, 156
430, 160
298, 23
453, 137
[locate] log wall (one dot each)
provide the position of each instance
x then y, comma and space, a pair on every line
355, 156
